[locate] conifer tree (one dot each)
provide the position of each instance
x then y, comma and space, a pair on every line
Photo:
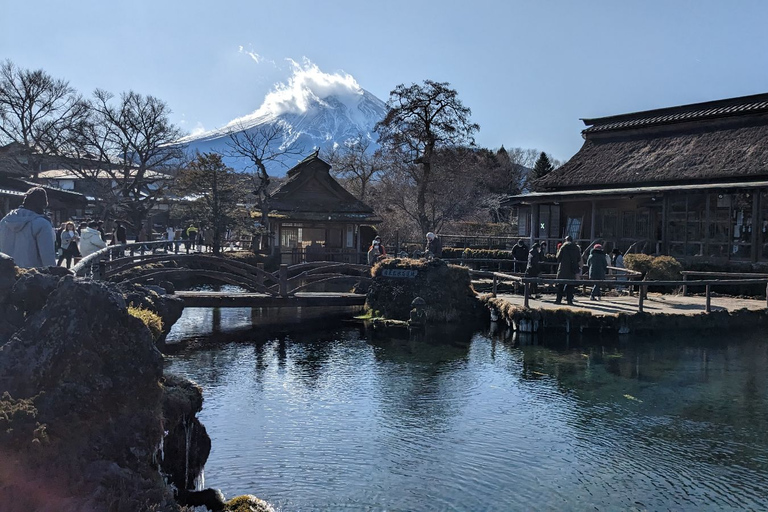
541, 168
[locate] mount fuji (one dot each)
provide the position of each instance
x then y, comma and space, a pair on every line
314, 110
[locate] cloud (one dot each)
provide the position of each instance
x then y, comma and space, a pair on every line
198, 129
306, 86
258, 59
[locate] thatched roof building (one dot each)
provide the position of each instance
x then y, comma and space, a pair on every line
690, 181
316, 218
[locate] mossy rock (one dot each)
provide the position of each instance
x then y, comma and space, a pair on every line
248, 503
447, 290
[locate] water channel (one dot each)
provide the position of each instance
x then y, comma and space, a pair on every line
468, 419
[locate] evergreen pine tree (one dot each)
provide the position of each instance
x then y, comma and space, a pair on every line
541, 168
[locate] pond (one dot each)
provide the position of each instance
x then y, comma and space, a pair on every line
478, 420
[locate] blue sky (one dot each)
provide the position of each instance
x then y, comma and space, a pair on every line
528, 70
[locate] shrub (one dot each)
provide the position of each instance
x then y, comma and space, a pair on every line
151, 319
655, 268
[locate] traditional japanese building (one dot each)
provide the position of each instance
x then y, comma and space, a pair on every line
689, 181
15, 180
315, 218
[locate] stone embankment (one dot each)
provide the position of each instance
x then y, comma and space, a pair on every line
88, 421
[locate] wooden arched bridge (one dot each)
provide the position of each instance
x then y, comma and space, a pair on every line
155, 262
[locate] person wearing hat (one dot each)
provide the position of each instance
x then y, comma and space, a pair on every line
27, 235
598, 266
374, 252
381, 245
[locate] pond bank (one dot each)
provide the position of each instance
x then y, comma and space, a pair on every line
620, 314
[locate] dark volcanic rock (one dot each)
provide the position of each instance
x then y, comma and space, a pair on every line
82, 376
167, 307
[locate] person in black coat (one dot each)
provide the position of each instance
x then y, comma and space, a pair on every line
520, 255
533, 268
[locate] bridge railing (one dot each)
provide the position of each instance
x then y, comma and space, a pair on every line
93, 265
642, 284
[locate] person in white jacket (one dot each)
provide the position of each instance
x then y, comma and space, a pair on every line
27, 235
90, 240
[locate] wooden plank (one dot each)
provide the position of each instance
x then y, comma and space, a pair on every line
258, 300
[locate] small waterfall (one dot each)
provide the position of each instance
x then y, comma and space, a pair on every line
189, 428
200, 481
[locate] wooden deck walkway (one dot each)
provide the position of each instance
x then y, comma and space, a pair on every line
655, 303
261, 300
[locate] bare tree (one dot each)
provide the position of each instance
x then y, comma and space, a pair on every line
40, 113
356, 165
420, 120
217, 195
132, 151
261, 145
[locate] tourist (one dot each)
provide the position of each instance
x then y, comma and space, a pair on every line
617, 261
27, 235
597, 265
100, 229
191, 237
69, 239
170, 234
119, 236
434, 247
90, 240
533, 268
520, 254
374, 252
381, 245
568, 265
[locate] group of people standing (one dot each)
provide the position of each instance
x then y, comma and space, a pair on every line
569, 265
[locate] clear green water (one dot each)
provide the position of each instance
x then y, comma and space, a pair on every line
463, 420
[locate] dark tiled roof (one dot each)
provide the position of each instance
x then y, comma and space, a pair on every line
311, 193
755, 104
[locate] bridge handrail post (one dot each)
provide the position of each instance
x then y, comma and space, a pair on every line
527, 293
495, 284
259, 275
283, 280
640, 300
708, 307
102, 270
685, 286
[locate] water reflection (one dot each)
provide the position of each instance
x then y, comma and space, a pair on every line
460, 419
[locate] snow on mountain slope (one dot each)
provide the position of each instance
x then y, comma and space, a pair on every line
313, 110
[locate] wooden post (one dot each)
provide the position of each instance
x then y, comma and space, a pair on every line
527, 293
259, 275
283, 280
708, 307
766, 295
495, 284
685, 286
102, 270
640, 300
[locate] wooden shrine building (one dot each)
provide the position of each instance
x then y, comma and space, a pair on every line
314, 218
688, 181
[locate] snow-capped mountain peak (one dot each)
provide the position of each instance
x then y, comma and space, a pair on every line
313, 110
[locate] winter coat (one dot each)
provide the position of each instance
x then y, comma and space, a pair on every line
597, 264
569, 261
373, 254
520, 252
533, 269
28, 238
90, 241
435, 246
67, 239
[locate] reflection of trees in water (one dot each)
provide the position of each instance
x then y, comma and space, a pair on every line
420, 377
